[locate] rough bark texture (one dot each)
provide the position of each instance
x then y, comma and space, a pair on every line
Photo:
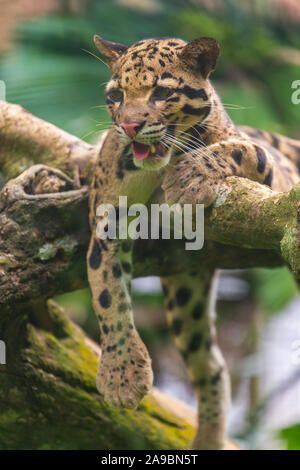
26, 139
48, 384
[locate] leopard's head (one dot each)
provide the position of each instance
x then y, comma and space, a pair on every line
159, 89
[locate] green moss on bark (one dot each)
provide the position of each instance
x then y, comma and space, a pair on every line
49, 398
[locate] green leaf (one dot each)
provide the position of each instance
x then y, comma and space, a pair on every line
291, 437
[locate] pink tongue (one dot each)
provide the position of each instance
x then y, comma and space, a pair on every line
140, 151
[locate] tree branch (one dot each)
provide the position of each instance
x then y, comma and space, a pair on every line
48, 386
250, 215
44, 239
26, 139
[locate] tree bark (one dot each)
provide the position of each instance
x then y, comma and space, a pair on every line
48, 383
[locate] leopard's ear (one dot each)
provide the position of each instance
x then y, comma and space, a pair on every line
110, 50
201, 55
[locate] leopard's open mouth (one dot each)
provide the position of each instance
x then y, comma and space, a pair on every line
142, 151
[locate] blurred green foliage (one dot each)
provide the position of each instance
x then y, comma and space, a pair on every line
273, 288
291, 437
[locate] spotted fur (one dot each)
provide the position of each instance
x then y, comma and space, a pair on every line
163, 87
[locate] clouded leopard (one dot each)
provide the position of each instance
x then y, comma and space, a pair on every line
170, 132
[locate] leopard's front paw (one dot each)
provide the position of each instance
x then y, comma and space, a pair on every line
125, 374
187, 185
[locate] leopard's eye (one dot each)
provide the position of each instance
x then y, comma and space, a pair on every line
162, 93
115, 94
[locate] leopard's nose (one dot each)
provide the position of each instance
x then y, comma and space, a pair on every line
130, 128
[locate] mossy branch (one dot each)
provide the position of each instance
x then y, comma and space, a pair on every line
49, 398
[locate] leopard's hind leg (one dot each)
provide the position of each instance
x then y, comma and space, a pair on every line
190, 314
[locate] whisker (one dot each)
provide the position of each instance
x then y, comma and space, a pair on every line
94, 131
96, 57
171, 141
88, 134
186, 135
232, 106
189, 147
98, 106
181, 146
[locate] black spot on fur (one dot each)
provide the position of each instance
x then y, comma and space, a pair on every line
175, 99
177, 326
209, 166
105, 299
105, 329
95, 256
268, 178
170, 305
261, 159
166, 75
165, 290
122, 308
202, 111
126, 266
126, 247
103, 245
215, 378
116, 270
195, 342
237, 156
198, 311
193, 93
275, 141
183, 295
162, 63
